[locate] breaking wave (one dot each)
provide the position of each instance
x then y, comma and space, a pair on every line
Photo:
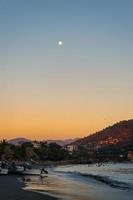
104, 179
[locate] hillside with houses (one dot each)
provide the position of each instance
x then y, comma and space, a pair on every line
114, 143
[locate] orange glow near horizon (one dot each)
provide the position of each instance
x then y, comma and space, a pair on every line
61, 112
59, 122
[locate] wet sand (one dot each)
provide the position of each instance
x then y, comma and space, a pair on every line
71, 187
11, 189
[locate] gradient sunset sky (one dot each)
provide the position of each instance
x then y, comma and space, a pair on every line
49, 91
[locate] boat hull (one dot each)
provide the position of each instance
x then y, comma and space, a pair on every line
3, 171
34, 172
31, 172
16, 170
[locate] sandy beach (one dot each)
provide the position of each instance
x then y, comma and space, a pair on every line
11, 189
78, 182
64, 182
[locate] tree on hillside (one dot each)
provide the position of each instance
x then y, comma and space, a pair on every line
19, 152
56, 152
3, 144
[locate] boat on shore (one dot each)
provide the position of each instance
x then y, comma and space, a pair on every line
3, 171
3, 168
24, 170
16, 170
21, 169
35, 172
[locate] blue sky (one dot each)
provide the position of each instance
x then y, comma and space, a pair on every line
90, 73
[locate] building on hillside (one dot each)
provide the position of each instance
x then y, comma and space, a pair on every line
71, 147
36, 144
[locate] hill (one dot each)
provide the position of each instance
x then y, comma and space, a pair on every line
113, 139
119, 134
18, 141
21, 140
62, 142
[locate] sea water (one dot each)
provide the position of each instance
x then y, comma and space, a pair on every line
87, 182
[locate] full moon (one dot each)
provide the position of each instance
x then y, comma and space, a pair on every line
60, 43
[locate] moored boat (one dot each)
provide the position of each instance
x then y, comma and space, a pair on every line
25, 169
3, 171
35, 172
16, 170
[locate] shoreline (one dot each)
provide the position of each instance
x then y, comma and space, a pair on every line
12, 188
66, 185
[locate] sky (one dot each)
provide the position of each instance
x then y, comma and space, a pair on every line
51, 91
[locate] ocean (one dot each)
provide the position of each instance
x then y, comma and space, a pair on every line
86, 182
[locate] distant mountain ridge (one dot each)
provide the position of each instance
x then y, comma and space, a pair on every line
119, 135
21, 140
62, 142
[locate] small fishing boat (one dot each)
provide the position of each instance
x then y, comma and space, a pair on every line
26, 169
3, 168
35, 172
16, 169
3, 171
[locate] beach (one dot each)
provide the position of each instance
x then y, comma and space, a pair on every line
72, 182
85, 182
12, 189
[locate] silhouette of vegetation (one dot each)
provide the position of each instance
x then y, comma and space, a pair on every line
41, 151
3, 144
111, 144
